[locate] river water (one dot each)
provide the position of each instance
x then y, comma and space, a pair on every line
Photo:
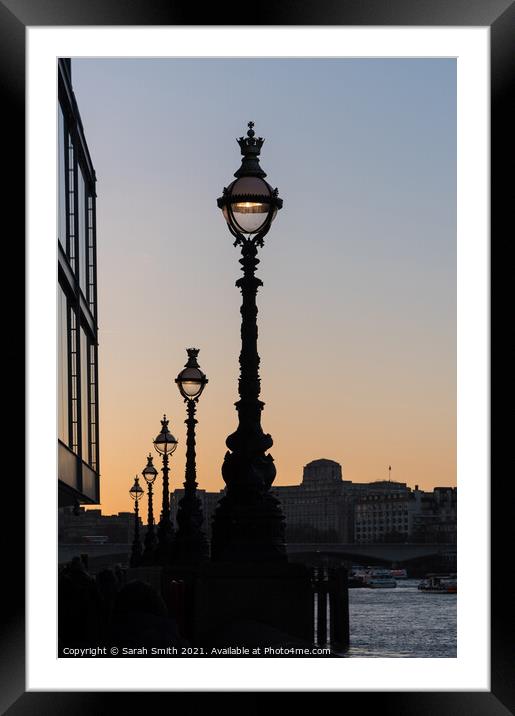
402, 622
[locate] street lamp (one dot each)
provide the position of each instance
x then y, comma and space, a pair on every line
149, 473
136, 494
165, 444
248, 523
190, 541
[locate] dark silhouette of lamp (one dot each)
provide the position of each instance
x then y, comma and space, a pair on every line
149, 473
165, 444
248, 525
190, 544
136, 494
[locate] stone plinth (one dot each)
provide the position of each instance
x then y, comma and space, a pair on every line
219, 595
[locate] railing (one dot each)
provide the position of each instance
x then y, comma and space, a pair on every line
330, 607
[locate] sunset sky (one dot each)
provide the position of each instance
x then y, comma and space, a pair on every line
357, 315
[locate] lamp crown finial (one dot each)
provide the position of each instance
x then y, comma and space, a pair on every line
250, 145
192, 357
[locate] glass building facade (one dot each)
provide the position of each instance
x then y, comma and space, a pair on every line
77, 334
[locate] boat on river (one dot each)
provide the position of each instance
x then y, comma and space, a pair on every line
379, 579
439, 584
371, 577
399, 573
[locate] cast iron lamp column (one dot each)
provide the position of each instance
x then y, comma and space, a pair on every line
165, 444
149, 472
190, 544
248, 525
136, 493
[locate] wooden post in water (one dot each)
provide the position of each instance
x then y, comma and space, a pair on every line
322, 585
339, 608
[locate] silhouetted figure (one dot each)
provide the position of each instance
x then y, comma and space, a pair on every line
79, 606
108, 585
140, 619
119, 574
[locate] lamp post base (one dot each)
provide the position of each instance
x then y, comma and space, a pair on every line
165, 535
136, 554
190, 545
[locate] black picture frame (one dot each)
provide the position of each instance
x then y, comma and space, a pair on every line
499, 16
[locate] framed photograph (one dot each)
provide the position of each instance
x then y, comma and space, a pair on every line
449, 63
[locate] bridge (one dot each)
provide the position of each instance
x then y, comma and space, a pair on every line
361, 552
104, 554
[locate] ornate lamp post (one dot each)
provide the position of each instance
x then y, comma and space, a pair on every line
165, 444
136, 493
190, 541
149, 472
249, 524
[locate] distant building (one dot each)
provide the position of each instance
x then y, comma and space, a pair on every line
395, 515
320, 508
435, 519
381, 517
77, 350
326, 508
323, 507
89, 525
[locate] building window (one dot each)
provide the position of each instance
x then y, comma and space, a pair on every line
91, 270
62, 360
84, 397
61, 226
93, 407
74, 437
83, 239
71, 204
